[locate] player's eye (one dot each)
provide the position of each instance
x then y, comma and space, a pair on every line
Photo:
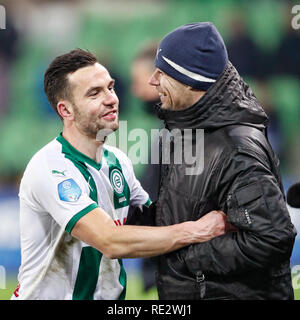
94, 93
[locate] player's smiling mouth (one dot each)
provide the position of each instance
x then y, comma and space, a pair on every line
111, 115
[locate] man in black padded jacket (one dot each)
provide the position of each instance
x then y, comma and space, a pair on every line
201, 90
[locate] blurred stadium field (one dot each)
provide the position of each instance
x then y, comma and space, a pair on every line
134, 290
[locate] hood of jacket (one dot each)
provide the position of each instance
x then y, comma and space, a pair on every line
229, 101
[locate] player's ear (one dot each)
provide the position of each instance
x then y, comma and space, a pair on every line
65, 110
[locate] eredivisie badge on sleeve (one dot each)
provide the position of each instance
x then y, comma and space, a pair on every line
69, 190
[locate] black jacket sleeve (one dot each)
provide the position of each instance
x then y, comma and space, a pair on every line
250, 195
142, 216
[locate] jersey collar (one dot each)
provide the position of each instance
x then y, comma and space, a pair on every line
68, 149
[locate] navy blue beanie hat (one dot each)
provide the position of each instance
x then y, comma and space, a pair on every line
194, 54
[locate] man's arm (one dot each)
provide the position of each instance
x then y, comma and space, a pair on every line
256, 206
97, 229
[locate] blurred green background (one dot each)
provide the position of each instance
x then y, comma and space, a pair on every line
261, 44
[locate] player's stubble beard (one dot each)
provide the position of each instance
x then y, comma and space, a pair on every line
91, 124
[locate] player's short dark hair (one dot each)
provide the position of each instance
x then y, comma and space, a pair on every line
56, 83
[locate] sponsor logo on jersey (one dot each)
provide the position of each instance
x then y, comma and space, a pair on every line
117, 180
69, 191
61, 173
122, 199
118, 222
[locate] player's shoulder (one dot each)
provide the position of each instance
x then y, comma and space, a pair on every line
51, 152
48, 162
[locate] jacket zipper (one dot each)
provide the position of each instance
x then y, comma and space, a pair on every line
200, 280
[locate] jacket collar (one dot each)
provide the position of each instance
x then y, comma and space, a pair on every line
228, 101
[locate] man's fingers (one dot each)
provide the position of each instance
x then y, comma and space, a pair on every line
221, 217
230, 228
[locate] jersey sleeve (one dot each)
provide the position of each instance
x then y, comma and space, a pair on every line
61, 193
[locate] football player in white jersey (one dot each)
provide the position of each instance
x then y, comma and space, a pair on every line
75, 193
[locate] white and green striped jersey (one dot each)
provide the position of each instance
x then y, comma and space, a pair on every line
59, 186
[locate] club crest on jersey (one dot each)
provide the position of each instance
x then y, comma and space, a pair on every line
69, 191
117, 180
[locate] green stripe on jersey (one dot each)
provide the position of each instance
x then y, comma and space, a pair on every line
123, 280
117, 180
88, 272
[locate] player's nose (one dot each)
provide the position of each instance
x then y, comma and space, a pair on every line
154, 78
111, 99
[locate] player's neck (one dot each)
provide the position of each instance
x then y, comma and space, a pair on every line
86, 145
